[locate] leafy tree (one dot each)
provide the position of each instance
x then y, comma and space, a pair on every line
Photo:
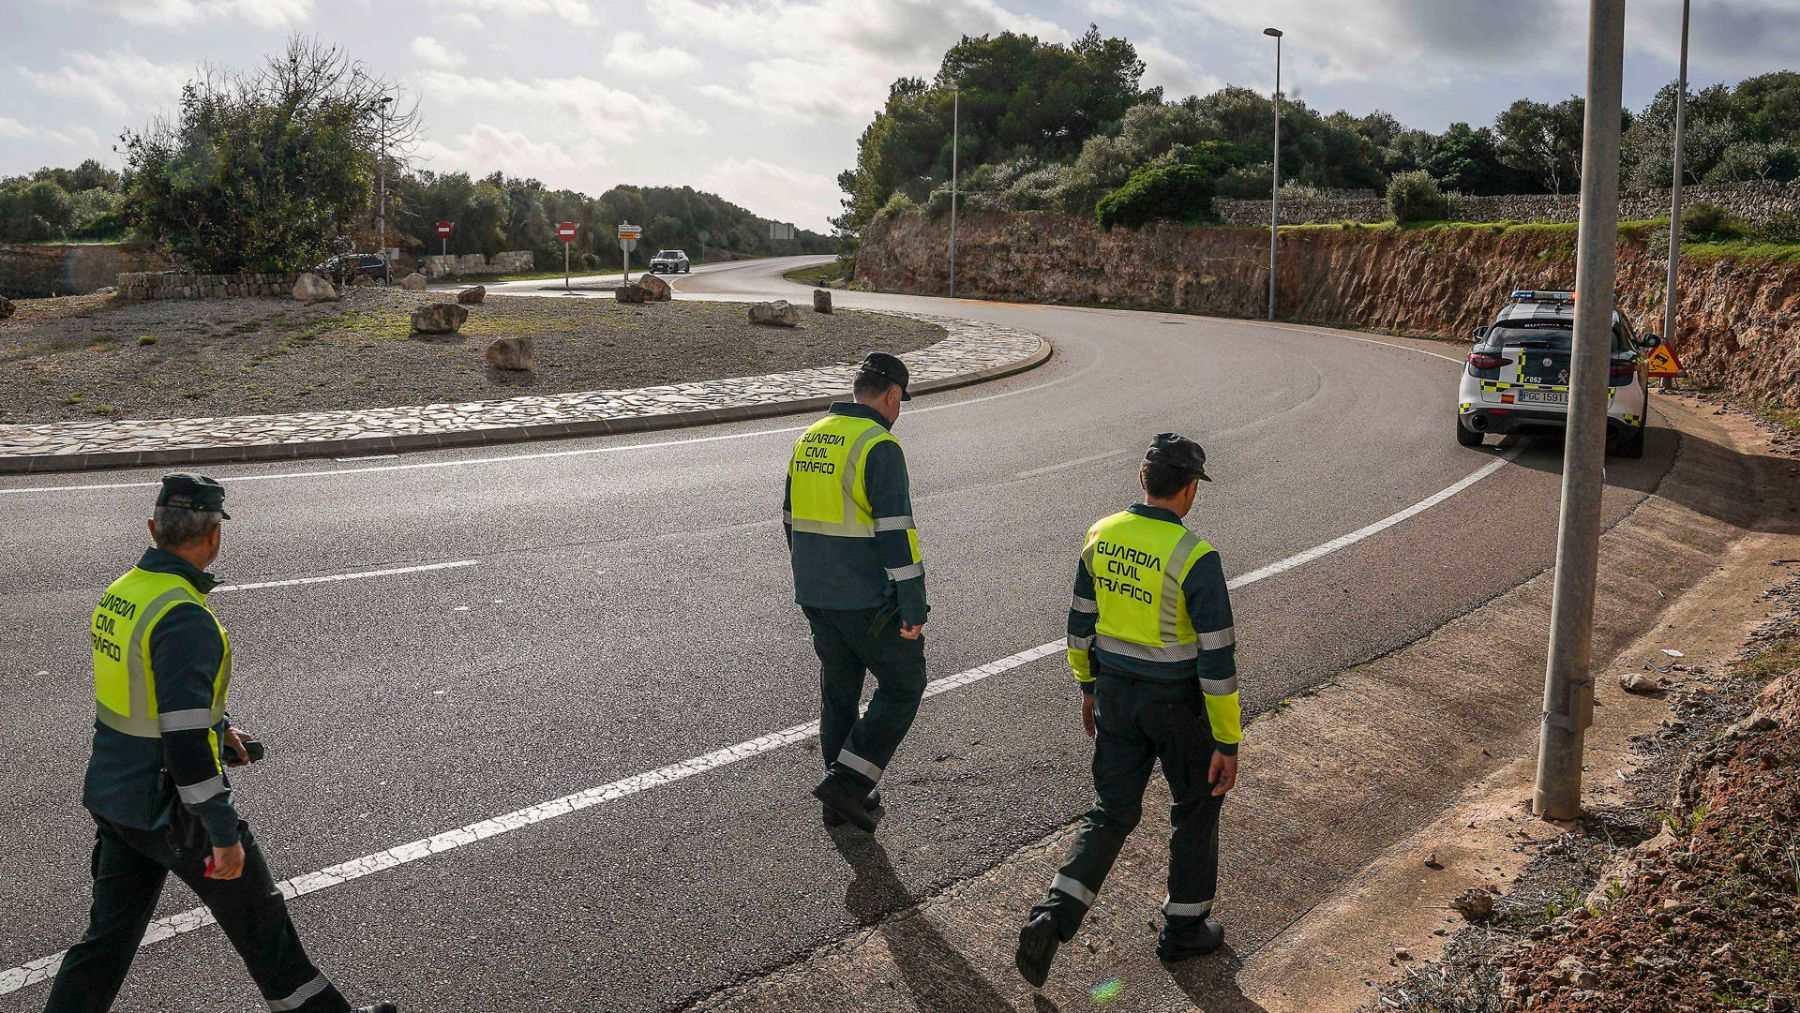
1749, 161
1543, 140
35, 212
262, 171
1175, 191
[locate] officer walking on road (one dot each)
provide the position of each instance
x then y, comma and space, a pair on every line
1150, 638
859, 578
156, 782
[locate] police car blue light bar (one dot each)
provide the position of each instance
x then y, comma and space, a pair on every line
1541, 295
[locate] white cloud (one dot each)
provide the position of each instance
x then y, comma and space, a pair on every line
84, 139
811, 59
579, 13
119, 81
10, 127
484, 148
632, 53
596, 107
175, 13
773, 191
468, 20
433, 53
1177, 76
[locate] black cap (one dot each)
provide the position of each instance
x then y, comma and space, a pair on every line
889, 368
192, 492
1179, 452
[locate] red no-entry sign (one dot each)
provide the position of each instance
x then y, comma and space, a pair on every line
565, 231
444, 228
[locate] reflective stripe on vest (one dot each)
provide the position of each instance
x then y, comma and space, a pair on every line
1137, 565
827, 495
124, 680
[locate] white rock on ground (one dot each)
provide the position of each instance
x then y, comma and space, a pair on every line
310, 288
414, 282
775, 314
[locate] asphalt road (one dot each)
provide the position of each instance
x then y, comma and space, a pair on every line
629, 607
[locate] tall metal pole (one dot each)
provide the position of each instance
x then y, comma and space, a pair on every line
1275, 190
1568, 679
955, 135
387, 271
1673, 293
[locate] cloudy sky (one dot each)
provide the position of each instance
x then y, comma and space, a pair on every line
762, 100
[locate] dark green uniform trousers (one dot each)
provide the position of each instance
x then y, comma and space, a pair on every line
1137, 723
130, 866
852, 644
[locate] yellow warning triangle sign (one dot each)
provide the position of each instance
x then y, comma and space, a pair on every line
1663, 362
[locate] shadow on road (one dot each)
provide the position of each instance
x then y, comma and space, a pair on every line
1211, 982
937, 976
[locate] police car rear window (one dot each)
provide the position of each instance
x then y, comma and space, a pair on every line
1552, 334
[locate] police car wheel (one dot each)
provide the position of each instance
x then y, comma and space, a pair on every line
1632, 447
1466, 437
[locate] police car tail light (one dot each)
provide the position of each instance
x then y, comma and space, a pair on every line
1621, 374
1486, 360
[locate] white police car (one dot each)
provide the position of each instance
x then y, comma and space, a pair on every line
1517, 376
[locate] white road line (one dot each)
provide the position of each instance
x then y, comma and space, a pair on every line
359, 575
44, 968
1090, 459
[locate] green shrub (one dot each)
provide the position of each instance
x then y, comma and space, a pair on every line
1415, 197
1781, 228
590, 261
897, 205
1705, 222
1176, 191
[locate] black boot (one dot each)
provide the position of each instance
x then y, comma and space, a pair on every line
1037, 948
872, 803
1198, 942
846, 801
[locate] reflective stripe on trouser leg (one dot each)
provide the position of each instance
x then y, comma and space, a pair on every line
858, 764
1073, 888
301, 996
1198, 909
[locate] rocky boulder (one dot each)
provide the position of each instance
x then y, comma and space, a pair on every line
472, 296
510, 353
414, 282
629, 293
6, 307
655, 289
438, 318
821, 301
310, 288
774, 314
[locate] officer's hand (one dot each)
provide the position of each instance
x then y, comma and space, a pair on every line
910, 632
1087, 714
234, 741
1222, 775
227, 863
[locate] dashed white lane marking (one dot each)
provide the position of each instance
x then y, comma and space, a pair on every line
336, 577
44, 968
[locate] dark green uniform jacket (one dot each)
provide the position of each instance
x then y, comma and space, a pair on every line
851, 573
131, 781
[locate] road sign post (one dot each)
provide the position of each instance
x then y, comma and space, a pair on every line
565, 231
443, 230
1568, 674
628, 237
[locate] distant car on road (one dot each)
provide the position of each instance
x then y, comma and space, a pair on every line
669, 262
346, 268
1516, 378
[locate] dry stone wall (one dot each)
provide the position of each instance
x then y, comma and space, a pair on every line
1739, 319
36, 270
507, 262
1755, 202
150, 286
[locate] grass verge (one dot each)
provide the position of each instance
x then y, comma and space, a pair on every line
826, 274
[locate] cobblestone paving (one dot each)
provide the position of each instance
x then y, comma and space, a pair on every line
970, 348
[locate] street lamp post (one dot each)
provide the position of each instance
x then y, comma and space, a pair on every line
955, 133
1671, 294
1275, 188
1568, 675
387, 270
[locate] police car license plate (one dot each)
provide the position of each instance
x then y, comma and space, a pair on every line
1543, 397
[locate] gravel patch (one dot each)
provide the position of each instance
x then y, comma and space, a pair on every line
95, 358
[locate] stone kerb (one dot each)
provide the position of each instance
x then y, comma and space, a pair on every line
150, 286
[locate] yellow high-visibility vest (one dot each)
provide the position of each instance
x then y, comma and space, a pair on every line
1137, 565
125, 679
828, 494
